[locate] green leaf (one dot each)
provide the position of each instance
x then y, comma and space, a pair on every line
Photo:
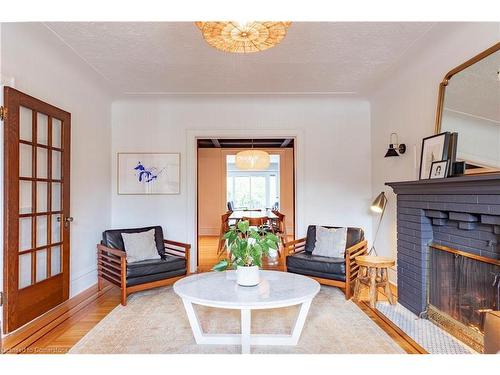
221, 266
243, 226
272, 237
272, 244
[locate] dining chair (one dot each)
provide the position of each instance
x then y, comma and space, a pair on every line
279, 227
224, 228
258, 222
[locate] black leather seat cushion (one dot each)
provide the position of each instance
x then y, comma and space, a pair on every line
155, 269
312, 265
354, 236
113, 238
152, 266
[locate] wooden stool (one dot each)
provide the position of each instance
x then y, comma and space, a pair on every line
373, 273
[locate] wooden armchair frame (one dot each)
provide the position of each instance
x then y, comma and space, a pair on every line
112, 267
351, 268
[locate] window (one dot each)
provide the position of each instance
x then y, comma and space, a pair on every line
253, 189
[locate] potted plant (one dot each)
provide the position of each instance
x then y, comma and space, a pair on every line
245, 246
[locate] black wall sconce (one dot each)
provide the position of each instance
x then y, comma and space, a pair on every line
395, 149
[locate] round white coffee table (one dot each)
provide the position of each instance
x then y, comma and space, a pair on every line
219, 289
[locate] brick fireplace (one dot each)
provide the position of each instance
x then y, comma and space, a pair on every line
459, 217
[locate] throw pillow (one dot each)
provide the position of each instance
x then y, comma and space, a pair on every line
330, 242
140, 246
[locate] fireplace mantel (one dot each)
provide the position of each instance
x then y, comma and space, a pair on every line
462, 213
471, 184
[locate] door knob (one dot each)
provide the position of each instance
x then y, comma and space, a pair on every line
66, 220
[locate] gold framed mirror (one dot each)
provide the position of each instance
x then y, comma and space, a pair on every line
469, 104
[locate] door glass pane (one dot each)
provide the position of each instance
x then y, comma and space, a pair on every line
56, 132
25, 124
56, 196
42, 129
41, 231
24, 270
41, 162
25, 160
24, 233
56, 229
41, 197
56, 165
55, 260
41, 265
24, 197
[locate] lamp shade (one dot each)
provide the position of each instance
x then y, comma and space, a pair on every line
391, 151
379, 203
252, 160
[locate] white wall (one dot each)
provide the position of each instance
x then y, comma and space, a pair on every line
406, 103
42, 66
334, 187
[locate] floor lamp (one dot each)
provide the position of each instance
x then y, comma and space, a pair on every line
378, 206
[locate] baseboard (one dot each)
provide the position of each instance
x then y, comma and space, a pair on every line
20, 339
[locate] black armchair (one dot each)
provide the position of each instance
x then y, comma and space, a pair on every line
112, 263
340, 272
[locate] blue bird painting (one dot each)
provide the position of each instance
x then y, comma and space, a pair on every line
147, 175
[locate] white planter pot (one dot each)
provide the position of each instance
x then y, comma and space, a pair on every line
248, 276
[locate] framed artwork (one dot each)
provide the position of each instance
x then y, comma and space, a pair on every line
434, 148
148, 173
439, 169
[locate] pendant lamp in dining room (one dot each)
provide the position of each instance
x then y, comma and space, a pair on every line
252, 160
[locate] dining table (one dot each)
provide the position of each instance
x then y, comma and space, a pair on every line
254, 214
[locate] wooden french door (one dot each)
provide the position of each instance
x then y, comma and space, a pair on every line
36, 207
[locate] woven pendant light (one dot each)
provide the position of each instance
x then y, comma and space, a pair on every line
246, 37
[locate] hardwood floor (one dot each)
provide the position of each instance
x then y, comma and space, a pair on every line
60, 339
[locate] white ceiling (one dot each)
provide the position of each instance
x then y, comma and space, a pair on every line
172, 57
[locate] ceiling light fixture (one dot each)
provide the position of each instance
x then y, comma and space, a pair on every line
252, 160
243, 36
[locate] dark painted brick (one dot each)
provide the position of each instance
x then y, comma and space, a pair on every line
439, 222
488, 219
442, 236
469, 208
437, 206
460, 240
467, 226
488, 236
436, 214
485, 228
420, 204
497, 229
494, 209
410, 211
462, 216
483, 245
414, 219
489, 199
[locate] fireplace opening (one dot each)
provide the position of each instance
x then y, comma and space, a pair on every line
462, 288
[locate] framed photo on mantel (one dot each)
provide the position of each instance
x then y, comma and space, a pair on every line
434, 148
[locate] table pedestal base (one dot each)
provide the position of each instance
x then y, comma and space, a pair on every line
246, 339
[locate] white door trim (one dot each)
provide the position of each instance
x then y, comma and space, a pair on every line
191, 174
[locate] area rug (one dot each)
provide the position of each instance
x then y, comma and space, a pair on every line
154, 321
